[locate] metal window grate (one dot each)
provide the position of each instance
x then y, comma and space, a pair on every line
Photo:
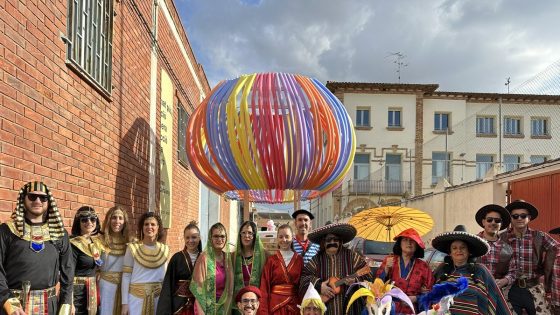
90, 40
182, 135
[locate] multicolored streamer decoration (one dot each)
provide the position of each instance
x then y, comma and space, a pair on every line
266, 136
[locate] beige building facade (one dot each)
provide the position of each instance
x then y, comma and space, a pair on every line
412, 138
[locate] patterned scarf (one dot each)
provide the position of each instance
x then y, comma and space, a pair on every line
54, 220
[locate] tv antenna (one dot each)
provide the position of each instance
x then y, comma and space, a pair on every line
399, 60
508, 81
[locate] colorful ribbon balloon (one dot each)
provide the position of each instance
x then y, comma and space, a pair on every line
270, 135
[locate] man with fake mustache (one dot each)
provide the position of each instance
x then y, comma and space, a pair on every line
247, 300
334, 262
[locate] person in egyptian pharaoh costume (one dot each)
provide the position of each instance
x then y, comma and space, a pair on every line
144, 268
86, 256
35, 255
115, 237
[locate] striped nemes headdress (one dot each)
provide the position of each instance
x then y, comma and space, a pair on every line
54, 220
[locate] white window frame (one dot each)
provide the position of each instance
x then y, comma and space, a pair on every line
512, 162
361, 113
513, 126
439, 120
482, 167
391, 118
486, 125
361, 166
440, 167
542, 159
541, 125
390, 168
89, 41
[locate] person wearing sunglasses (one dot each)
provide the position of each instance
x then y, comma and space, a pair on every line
35, 256
86, 256
534, 253
493, 219
334, 261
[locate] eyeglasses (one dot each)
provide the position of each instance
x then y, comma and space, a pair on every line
33, 197
490, 220
249, 301
250, 234
219, 237
517, 216
332, 239
88, 219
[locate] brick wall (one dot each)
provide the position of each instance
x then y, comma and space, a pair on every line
56, 127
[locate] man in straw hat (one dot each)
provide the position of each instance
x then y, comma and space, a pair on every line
302, 245
334, 263
534, 252
32, 244
482, 295
494, 218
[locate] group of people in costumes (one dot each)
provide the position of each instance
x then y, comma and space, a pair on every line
100, 269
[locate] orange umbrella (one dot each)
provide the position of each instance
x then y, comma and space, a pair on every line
383, 223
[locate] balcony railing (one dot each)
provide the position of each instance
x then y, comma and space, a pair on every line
378, 187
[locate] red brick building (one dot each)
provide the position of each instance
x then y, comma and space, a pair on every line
82, 93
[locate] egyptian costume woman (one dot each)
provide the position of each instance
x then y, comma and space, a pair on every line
280, 277
212, 281
144, 268
86, 253
482, 296
407, 269
176, 296
35, 254
115, 237
249, 259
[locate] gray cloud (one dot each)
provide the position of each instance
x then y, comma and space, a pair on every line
463, 45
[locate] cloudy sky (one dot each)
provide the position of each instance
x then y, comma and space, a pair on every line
462, 45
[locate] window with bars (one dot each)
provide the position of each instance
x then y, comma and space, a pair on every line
485, 125
539, 126
90, 40
512, 126
182, 135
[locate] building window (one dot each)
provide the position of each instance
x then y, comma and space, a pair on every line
537, 159
441, 166
511, 162
485, 125
441, 121
539, 127
393, 167
362, 117
394, 118
361, 166
512, 126
90, 41
182, 135
484, 163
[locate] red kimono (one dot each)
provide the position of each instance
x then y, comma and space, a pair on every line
279, 285
419, 279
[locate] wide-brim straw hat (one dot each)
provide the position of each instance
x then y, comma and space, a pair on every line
504, 214
477, 245
522, 204
345, 231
